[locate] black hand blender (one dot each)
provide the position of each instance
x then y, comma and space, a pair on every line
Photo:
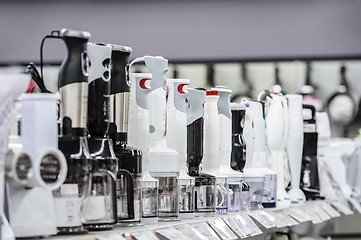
73, 88
129, 177
100, 211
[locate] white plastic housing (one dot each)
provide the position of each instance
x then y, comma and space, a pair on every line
98, 54
259, 153
39, 134
276, 132
295, 146
211, 136
138, 125
177, 120
12, 85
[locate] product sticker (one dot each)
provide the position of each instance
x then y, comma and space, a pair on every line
187, 231
221, 228
342, 208
144, 235
69, 189
298, 214
263, 218
172, 233
231, 223
284, 218
330, 210
204, 229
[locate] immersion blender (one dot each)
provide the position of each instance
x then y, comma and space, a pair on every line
163, 161
255, 178
225, 143
130, 159
205, 184
177, 140
211, 160
100, 211
295, 146
73, 88
138, 136
277, 123
259, 161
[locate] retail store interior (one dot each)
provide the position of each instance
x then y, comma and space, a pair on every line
180, 119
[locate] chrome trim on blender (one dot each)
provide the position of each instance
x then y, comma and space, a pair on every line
75, 103
74, 33
121, 48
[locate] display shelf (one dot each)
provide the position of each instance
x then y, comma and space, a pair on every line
229, 226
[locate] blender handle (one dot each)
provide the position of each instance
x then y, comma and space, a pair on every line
114, 192
310, 107
130, 195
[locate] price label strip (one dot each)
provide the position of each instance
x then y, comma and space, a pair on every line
342, 208
330, 210
298, 214
204, 229
187, 231
263, 218
232, 224
144, 235
285, 218
172, 233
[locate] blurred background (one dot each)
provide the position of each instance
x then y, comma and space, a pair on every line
246, 45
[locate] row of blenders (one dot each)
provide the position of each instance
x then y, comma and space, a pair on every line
102, 186
177, 158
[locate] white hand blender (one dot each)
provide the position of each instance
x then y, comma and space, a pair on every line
276, 122
225, 127
138, 136
211, 159
177, 139
295, 146
259, 161
253, 177
163, 161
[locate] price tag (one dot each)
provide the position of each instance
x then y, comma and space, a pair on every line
298, 214
355, 204
251, 225
246, 231
187, 231
321, 213
144, 235
330, 210
342, 208
221, 228
204, 229
231, 223
263, 218
111, 236
285, 218
172, 233
313, 213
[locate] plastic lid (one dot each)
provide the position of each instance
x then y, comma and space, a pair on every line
211, 92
